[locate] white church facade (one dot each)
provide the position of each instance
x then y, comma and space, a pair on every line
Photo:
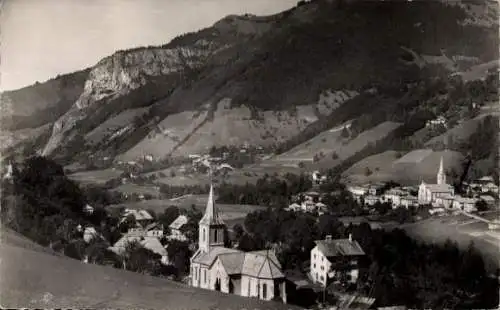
215, 267
436, 193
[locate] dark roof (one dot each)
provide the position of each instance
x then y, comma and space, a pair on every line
339, 247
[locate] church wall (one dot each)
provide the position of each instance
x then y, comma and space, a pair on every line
268, 285
193, 273
218, 272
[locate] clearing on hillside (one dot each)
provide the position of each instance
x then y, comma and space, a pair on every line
410, 169
99, 177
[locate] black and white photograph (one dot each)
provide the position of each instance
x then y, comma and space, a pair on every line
249, 154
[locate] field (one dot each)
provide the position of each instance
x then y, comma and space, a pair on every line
459, 132
33, 278
410, 169
228, 212
95, 176
130, 188
462, 230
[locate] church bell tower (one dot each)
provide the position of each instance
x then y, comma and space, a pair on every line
211, 227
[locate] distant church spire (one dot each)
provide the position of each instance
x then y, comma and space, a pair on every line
441, 176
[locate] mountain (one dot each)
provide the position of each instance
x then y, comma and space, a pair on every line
273, 81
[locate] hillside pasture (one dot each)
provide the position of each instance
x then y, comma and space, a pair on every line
113, 124
355, 145
34, 279
130, 188
98, 177
229, 212
459, 132
410, 169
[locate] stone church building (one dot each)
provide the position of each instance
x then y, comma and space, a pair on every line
429, 193
215, 267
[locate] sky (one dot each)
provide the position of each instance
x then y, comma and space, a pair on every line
43, 38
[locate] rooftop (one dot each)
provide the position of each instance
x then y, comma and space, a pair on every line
180, 221
339, 247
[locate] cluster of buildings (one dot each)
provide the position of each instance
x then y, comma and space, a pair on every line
440, 195
149, 233
310, 202
259, 274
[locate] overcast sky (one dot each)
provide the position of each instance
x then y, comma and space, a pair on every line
43, 38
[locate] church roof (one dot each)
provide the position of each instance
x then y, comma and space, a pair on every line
211, 216
205, 258
439, 188
259, 264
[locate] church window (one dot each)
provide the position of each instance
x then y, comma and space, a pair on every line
204, 276
248, 288
264, 291
215, 236
203, 234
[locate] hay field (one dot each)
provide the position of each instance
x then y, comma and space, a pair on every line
410, 169
227, 211
130, 188
95, 176
35, 279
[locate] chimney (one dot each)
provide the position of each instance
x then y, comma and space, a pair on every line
350, 237
328, 238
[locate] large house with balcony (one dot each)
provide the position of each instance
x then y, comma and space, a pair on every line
215, 267
332, 257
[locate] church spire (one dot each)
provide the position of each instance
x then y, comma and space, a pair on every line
211, 216
441, 176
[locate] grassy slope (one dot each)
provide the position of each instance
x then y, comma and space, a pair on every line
227, 211
410, 169
33, 278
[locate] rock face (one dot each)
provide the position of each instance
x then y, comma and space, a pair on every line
118, 75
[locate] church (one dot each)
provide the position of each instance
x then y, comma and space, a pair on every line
215, 267
429, 193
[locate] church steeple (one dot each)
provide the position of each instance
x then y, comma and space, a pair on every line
441, 176
211, 226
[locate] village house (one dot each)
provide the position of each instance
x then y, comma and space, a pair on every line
357, 192
318, 178
490, 201
154, 230
330, 258
439, 121
394, 196
151, 243
427, 193
375, 189
409, 201
215, 267
88, 209
371, 200
443, 201
176, 231
141, 217
465, 204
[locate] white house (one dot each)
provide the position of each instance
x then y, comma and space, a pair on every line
215, 267
151, 243
443, 201
357, 191
88, 209
394, 196
294, 207
318, 178
176, 228
141, 216
154, 230
489, 187
409, 201
330, 257
371, 199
